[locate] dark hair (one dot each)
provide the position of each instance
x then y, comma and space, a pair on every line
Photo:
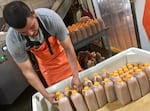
15, 14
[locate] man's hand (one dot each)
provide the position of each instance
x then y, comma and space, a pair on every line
52, 98
76, 83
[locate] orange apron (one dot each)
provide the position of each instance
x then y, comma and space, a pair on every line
55, 67
146, 18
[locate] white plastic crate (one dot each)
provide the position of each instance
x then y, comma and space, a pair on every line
130, 55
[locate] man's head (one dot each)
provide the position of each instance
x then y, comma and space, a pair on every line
19, 16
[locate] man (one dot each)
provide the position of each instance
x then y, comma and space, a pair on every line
43, 33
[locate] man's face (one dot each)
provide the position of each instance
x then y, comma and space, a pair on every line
31, 28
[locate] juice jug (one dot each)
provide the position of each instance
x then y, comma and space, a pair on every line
114, 76
78, 101
105, 73
147, 70
100, 94
63, 102
109, 90
90, 98
87, 82
134, 87
122, 92
97, 77
143, 81
67, 91
88, 29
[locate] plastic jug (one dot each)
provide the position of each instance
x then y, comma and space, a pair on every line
97, 77
87, 82
105, 73
147, 70
88, 29
109, 90
63, 102
100, 94
78, 101
90, 98
134, 87
67, 91
143, 81
122, 92
114, 77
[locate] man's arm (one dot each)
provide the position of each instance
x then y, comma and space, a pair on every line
34, 80
69, 49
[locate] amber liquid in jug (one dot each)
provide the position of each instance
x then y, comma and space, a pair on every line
90, 98
100, 94
63, 102
78, 101
109, 90
134, 87
147, 71
122, 91
143, 81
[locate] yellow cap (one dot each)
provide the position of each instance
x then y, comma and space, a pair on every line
146, 64
131, 71
130, 66
128, 76
119, 80
67, 88
58, 93
96, 83
60, 96
138, 70
96, 74
86, 79
120, 72
106, 80
135, 68
115, 74
125, 69
104, 70
74, 91
86, 88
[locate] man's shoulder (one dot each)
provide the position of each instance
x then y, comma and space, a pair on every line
11, 32
44, 12
12, 36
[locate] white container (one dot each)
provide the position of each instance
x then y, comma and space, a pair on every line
112, 64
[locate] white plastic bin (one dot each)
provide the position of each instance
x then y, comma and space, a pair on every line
130, 55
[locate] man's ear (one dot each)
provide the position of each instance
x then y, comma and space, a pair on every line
33, 13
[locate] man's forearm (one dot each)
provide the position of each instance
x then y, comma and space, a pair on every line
32, 77
36, 83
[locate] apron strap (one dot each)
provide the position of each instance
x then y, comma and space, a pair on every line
31, 44
46, 36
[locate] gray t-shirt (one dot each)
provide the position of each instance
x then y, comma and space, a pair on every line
16, 44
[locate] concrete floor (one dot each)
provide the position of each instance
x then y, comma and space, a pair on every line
22, 103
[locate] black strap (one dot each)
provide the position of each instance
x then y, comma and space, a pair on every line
31, 44
46, 35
